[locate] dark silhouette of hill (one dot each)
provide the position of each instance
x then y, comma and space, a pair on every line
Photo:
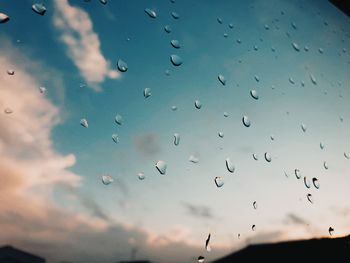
313, 250
9, 254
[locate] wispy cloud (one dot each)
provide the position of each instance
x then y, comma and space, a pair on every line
199, 211
83, 43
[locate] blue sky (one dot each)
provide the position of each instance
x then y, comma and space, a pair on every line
78, 42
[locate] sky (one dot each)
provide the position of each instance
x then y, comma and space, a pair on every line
52, 198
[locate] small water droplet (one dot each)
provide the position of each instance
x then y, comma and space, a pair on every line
239, 235
173, 108
176, 139
151, 13
309, 198
176, 60
122, 66
296, 46
226, 114
256, 77
254, 94
266, 26
272, 137
8, 110
297, 173
316, 183
303, 127
4, 18
306, 182
325, 165
104, 2
161, 167
256, 48
313, 79
222, 79
39, 9
175, 15
230, 25
10, 72
201, 259
239, 41
330, 230
225, 35
141, 176
294, 25
246, 121
291, 80
207, 245
115, 138
229, 165
255, 205
267, 157
107, 179
84, 123
306, 48
118, 119
147, 92
167, 29
253, 227
221, 134
321, 145
219, 20
320, 50
198, 104
255, 156
42, 90
175, 43
219, 181
346, 155
167, 72
193, 159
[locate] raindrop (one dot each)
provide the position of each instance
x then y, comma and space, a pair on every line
309, 197
193, 159
104, 2
313, 79
239, 236
316, 183
226, 114
272, 137
4, 18
201, 259
255, 156
255, 205
239, 41
320, 50
151, 13
176, 60
42, 90
10, 72
297, 173
207, 245
176, 139
291, 80
330, 230
147, 92
256, 48
222, 79
39, 9
198, 104
246, 121
122, 66
167, 29
325, 165
267, 157
167, 72
225, 35
294, 25
141, 176
107, 179
346, 155
230, 25
175, 43
285, 174
266, 27
115, 138
219, 20
254, 94
306, 48
295, 46
84, 123
306, 183
173, 108
256, 77
229, 165
175, 15
8, 110
161, 167
219, 181
303, 127
321, 145
221, 134
253, 227
118, 119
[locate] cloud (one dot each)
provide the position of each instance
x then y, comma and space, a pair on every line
147, 145
83, 43
198, 211
294, 219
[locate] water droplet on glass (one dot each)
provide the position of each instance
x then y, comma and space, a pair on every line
176, 60
297, 173
207, 245
246, 121
141, 176
39, 9
221, 134
230, 25
42, 90
256, 48
321, 145
239, 41
272, 137
266, 27
147, 92
107, 179
330, 230
173, 108
4, 18
198, 104
167, 72
122, 66
255, 205
176, 139
222, 79
84, 123
306, 182
229, 165
201, 259
226, 114
320, 50
151, 13
303, 127
254, 94
161, 167
118, 119
167, 29
309, 198
267, 157
294, 25
8, 110
175, 15
253, 227
256, 77
175, 43
219, 20
219, 181
225, 35
10, 72
115, 138
291, 80
295, 46
104, 2
325, 165
313, 79
316, 183
346, 155
255, 156
193, 159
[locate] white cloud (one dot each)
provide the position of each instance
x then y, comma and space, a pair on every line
83, 43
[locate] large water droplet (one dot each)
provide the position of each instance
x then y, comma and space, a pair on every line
10, 72
297, 173
175, 15
219, 181
330, 230
207, 243
141, 176
267, 157
309, 198
176, 139
176, 60
255, 205
198, 104
167, 29
229, 165
201, 259
107, 179
4, 18
118, 119
175, 43
296, 46
115, 138
254, 94
306, 182
122, 66
255, 156
39, 9
193, 159
246, 121
151, 13
222, 79
8, 110
316, 183
161, 167
84, 123
303, 127
325, 165
147, 92
221, 134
